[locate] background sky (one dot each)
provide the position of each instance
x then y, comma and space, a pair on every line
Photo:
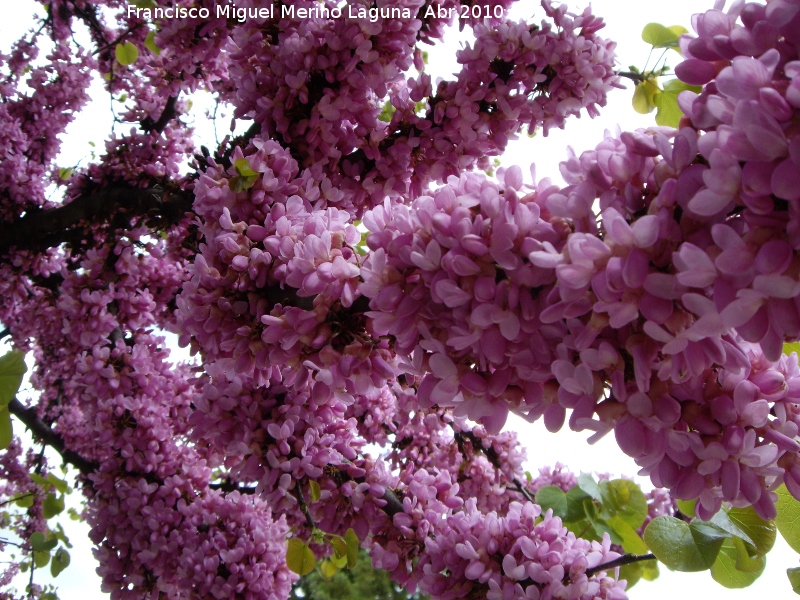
625, 20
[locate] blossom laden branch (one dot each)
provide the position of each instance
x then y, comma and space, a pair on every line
49, 228
42, 432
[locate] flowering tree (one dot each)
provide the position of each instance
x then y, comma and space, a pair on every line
366, 306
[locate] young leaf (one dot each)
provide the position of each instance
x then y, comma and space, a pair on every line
38, 479
299, 557
12, 368
339, 547
761, 533
126, 53
64, 173
60, 562
25, 501
340, 562
386, 112
351, 539
40, 559
40, 544
682, 546
243, 168
790, 347
576, 511
625, 499
59, 484
669, 113
725, 569
52, 506
6, 430
794, 579
150, 43
644, 96
631, 540
788, 519
687, 507
315, 491
552, 497
589, 485
327, 569
659, 36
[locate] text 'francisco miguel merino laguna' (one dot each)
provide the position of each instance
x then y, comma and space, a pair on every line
231, 11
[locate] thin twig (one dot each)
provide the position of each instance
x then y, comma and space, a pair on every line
304, 507
625, 559
491, 455
15, 499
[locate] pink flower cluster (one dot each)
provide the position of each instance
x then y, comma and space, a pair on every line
522, 555
447, 280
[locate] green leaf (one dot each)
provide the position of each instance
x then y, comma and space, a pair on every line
644, 95
327, 569
25, 501
687, 507
340, 562
64, 173
52, 506
794, 579
659, 36
12, 368
761, 533
386, 112
40, 544
650, 570
59, 484
682, 546
788, 519
126, 53
245, 177
339, 547
746, 562
724, 522
552, 497
353, 544
790, 347
625, 499
60, 562
726, 571
6, 429
315, 491
40, 559
669, 113
589, 485
631, 541
37, 540
150, 43
299, 557
576, 511
39, 480
240, 184
242, 167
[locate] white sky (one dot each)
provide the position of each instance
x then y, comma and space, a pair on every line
625, 20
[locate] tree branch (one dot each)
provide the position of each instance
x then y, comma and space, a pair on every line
625, 559
42, 432
169, 113
491, 455
49, 228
